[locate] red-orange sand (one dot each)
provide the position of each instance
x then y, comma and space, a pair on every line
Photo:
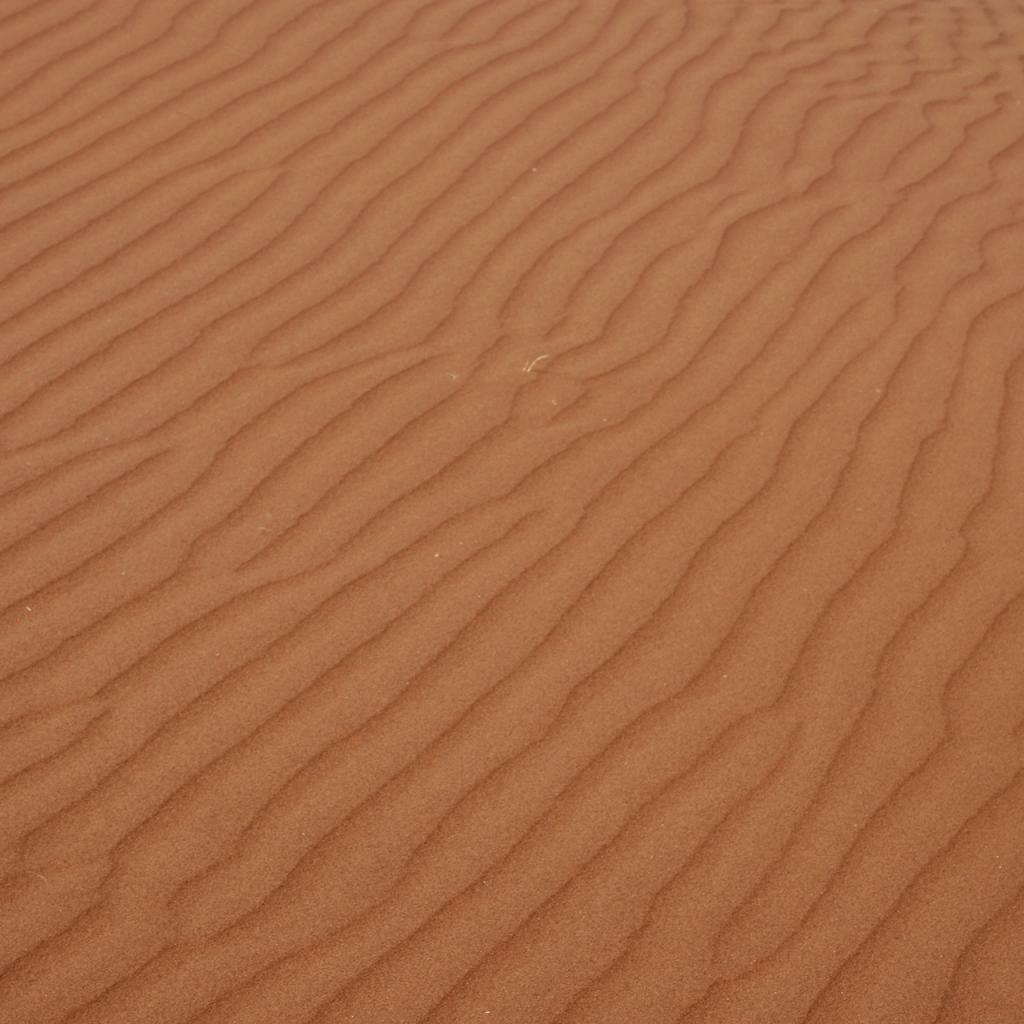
512, 511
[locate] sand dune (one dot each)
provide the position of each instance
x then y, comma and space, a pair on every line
512, 511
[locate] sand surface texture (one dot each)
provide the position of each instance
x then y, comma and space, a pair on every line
512, 511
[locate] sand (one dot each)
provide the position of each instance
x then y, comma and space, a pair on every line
512, 511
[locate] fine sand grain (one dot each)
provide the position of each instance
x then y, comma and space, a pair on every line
512, 511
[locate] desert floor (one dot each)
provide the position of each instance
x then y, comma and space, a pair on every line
512, 512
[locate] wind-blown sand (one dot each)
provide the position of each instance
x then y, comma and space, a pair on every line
512, 511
